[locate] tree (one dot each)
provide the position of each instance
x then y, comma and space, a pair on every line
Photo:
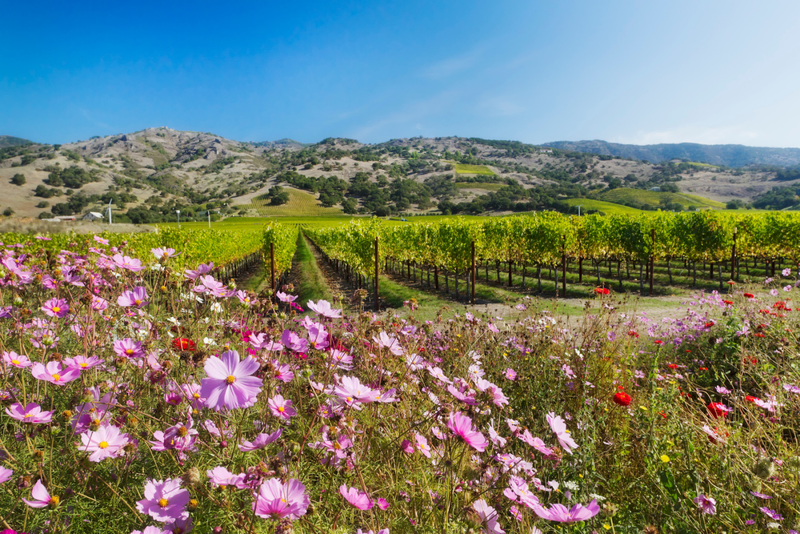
43, 204
18, 179
8, 212
350, 206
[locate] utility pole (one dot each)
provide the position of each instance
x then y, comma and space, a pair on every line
109, 210
179, 217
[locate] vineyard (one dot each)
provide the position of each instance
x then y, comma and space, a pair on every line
628, 247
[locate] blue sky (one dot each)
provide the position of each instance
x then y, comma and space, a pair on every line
631, 72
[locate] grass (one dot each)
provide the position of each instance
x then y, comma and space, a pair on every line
312, 282
480, 185
697, 164
300, 203
655, 197
607, 208
473, 169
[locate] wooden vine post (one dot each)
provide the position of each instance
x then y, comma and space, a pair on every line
272, 263
733, 255
376, 274
564, 266
472, 272
652, 257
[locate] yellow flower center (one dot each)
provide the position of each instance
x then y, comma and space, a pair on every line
103, 444
15, 362
56, 309
56, 377
336, 445
231, 379
349, 399
28, 415
163, 503
196, 395
129, 352
182, 431
54, 500
280, 409
138, 301
84, 365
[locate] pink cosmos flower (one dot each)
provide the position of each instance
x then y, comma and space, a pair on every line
137, 297
5, 474
179, 526
105, 442
100, 240
356, 498
82, 363
203, 268
352, 391
536, 443
438, 374
488, 517
422, 445
559, 427
294, 342
336, 447
261, 441
147, 530
407, 447
125, 262
560, 513
461, 426
385, 341
99, 304
496, 438
41, 497
281, 407
162, 253
128, 347
323, 308
16, 360
382, 503
510, 374
278, 500
164, 500
283, 297
222, 477
229, 384
56, 308
54, 373
707, 505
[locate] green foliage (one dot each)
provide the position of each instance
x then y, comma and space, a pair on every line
18, 179
284, 240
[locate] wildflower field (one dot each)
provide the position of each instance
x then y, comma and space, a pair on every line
142, 394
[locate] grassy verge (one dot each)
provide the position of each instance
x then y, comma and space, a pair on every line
312, 284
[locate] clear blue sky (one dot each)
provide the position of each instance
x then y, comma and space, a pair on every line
637, 72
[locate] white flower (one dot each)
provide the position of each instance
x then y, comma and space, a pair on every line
597, 497
216, 307
156, 267
174, 321
209, 342
571, 485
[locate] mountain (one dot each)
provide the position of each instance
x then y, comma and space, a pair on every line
726, 155
151, 173
7, 140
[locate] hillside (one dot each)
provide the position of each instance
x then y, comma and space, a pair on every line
7, 140
726, 155
150, 174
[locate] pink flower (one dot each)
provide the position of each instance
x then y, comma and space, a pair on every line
41, 497
278, 500
16, 360
356, 498
510, 374
352, 391
559, 427
488, 517
707, 505
323, 308
147, 530
261, 441
82, 363
125, 262
128, 347
283, 297
56, 308
294, 342
164, 500
385, 341
105, 442
162, 253
137, 297
383, 504
99, 304
461, 426
222, 477
422, 445
406, 447
229, 384
5, 474
536, 443
54, 373
203, 268
560, 513
281, 407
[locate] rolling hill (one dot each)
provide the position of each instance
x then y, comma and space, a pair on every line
7, 141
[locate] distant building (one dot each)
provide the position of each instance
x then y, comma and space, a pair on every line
92, 216
655, 189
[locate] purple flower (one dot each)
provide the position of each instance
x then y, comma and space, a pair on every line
707, 505
229, 384
279, 500
760, 495
772, 514
261, 441
356, 498
137, 297
164, 500
560, 513
203, 268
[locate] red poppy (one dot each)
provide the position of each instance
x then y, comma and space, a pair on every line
622, 398
673, 366
704, 368
730, 282
658, 342
663, 414
751, 398
759, 334
633, 333
728, 302
182, 343
716, 409
602, 290
710, 324
749, 295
